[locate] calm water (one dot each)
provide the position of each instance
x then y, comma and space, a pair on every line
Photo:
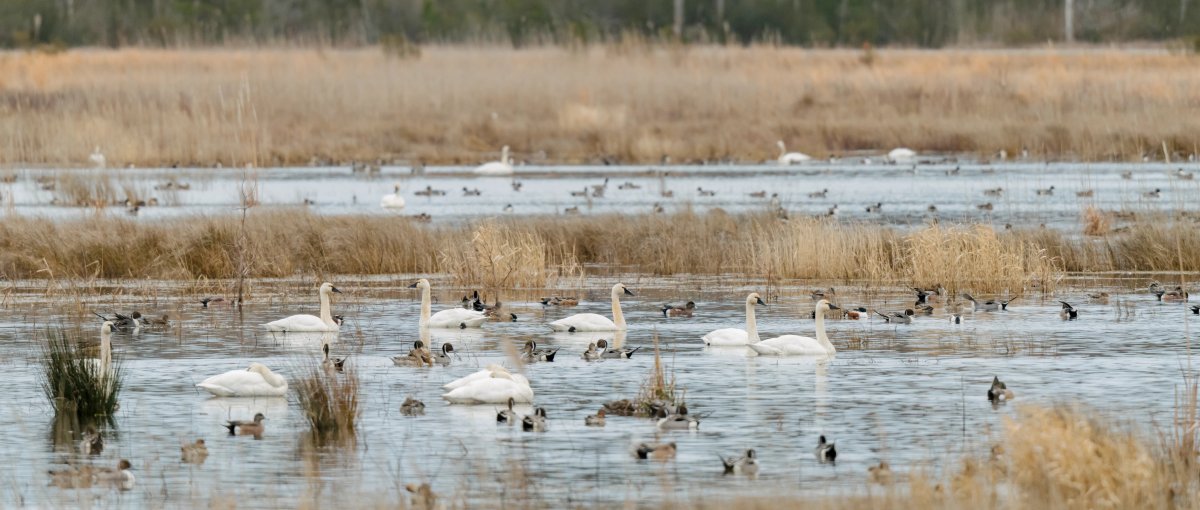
913, 395
906, 192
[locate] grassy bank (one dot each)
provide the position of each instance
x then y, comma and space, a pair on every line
631, 103
529, 252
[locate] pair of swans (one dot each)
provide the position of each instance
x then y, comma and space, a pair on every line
492, 385
304, 322
586, 322
786, 345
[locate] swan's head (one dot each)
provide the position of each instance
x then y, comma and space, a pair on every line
621, 287
824, 305
422, 284
396, 188
780, 145
107, 327
327, 287
755, 299
259, 368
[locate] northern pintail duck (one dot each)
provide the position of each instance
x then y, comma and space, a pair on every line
1046, 192
705, 193
922, 308
929, 295
591, 354
745, 465
1087, 193
595, 420
1068, 312
825, 451
194, 453
628, 185
442, 356
685, 310
1098, 296
1196, 310
214, 299
471, 192
990, 305
999, 391
247, 428
560, 301
124, 323
993, 192
1180, 173
904, 317
531, 354
679, 419
663, 451
412, 407
430, 192
955, 318
507, 416
418, 356
1153, 194
618, 353
535, 422
875, 208
819, 194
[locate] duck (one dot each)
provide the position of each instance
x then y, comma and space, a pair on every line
854, 313
904, 317
825, 451
922, 309
595, 420
1098, 296
247, 428
929, 295
1087, 193
535, 422
442, 356
875, 208
589, 322
1180, 173
628, 185
1196, 310
614, 353
747, 464
453, 318
1177, 294
1127, 175
990, 305
156, 322
120, 477
679, 419
1046, 192
705, 193
412, 407
418, 356
329, 364
1068, 312
560, 301
999, 391
255, 381
818, 295
819, 194
471, 192
507, 416
591, 354
124, 323
492, 385
393, 200
790, 158
758, 194
734, 337
206, 300
571, 210
194, 453
985, 207
508, 208
796, 345
304, 322
833, 211
955, 318
531, 354
1153, 194
583, 193
993, 192
679, 311
660, 452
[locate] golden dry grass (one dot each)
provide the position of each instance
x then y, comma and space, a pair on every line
635, 103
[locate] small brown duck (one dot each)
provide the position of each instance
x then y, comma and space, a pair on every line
659, 452
679, 311
194, 453
595, 420
412, 407
247, 428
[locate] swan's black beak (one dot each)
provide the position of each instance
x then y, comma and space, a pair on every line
335, 289
413, 286
834, 307
761, 302
627, 292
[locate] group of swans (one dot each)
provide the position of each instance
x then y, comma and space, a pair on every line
786, 345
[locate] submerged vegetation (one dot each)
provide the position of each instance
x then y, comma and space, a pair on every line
81, 381
627, 103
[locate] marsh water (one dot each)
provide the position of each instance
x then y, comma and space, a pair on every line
906, 192
913, 395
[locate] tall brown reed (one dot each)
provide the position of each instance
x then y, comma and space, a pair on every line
329, 402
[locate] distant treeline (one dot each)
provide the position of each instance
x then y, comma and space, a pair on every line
925, 23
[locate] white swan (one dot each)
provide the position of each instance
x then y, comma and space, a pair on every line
902, 155
790, 158
800, 345
594, 322
256, 381
502, 167
304, 322
103, 362
393, 200
492, 385
97, 158
733, 337
451, 318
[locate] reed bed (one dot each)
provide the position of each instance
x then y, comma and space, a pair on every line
530, 252
634, 103
75, 383
329, 402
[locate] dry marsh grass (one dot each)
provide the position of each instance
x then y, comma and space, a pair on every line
330, 402
530, 252
633, 103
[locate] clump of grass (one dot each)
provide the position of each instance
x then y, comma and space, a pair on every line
975, 258
498, 256
329, 402
657, 391
75, 382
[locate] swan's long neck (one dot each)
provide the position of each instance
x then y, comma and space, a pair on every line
425, 308
821, 337
326, 316
105, 352
504, 156
751, 323
274, 379
782, 149
618, 317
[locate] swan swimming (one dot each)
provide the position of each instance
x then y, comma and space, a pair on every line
902, 155
502, 167
790, 158
800, 345
492, 385
733, 337
393, 200
304, 322
255, 381
454, 318
594, 322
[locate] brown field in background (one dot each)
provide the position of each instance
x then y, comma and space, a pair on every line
629, 103
533, 252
